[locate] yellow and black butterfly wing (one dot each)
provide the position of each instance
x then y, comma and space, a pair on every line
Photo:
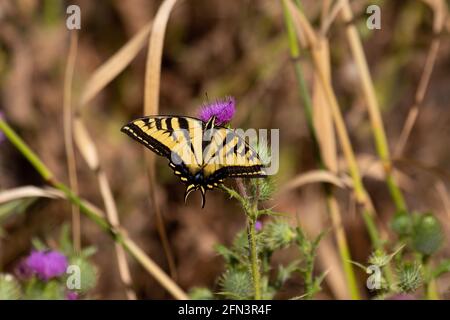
179, 139
229, 155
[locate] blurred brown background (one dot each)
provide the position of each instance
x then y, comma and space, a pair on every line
236, 48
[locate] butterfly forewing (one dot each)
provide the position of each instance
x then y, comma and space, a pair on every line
178, 139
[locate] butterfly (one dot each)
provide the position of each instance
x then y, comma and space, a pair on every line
202, 154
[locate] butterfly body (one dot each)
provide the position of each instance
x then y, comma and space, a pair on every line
201, 154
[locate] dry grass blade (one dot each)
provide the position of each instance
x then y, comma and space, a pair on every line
328, 21
323, 121
155, 49
440, 11
114, 65
151, 106
29, 192
315, 176
89, 151
84, 143
68, 136
443, 195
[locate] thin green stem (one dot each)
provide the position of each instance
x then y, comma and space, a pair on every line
254, 259
27, 152
431, 289
251, 210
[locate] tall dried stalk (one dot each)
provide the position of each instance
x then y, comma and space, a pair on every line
440, 11
373, 107
151, 107
68, 136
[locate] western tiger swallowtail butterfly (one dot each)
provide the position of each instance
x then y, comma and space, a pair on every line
201, 154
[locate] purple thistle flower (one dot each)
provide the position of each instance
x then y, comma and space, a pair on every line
71, 295
47, 264
258, 225
223, 110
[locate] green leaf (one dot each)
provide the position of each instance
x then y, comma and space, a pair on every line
88, 251
442, 268
14, 207
38, 244
284, 273
65, 242
36, 289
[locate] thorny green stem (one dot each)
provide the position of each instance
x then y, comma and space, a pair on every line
118, 235
252, 215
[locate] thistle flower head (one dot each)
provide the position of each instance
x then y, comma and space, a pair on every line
46, 264
258, 225
223, 110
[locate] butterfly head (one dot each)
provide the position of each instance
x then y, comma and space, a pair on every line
193, 187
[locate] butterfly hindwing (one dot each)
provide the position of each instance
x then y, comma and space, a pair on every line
229, 155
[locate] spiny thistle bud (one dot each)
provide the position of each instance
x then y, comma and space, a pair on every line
278, 234
427, 235
410, 277
379, 258
88, 272
236, 284
402, 224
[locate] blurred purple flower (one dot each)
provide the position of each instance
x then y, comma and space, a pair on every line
223, 110
71, 295
258, 225
47, 264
